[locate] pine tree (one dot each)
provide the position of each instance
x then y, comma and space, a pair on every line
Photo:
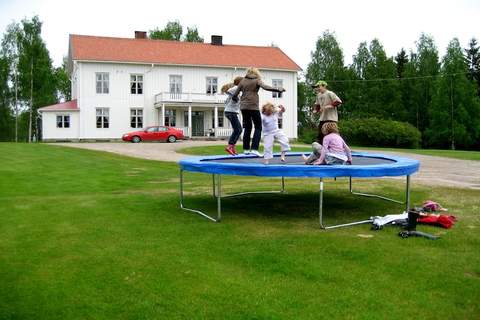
473, 60
455, 111
401, 59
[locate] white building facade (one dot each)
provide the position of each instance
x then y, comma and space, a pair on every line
110, 98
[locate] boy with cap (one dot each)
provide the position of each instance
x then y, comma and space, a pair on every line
326, 104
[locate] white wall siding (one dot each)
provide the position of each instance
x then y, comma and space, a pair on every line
50, 130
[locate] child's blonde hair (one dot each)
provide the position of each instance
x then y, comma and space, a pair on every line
329, 127
254, 71
268, 107
227, 86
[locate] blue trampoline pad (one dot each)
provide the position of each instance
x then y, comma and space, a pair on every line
363, 165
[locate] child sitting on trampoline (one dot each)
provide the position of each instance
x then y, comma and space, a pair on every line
334, 149
271, 131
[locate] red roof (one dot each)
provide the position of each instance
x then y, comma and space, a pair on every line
94, 48
65, 106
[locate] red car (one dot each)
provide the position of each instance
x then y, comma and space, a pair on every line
156, 133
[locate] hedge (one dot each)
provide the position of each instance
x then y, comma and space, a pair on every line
373, 132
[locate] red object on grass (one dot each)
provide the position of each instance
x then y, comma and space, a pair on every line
155, 133
441, 220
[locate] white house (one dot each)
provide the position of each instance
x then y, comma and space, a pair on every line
121, 85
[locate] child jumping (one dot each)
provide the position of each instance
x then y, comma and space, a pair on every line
232, 109
334, 149
271, 131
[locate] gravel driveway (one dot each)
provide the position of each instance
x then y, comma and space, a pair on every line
437, 171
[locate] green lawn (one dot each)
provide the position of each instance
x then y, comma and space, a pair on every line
457, 154
92, 235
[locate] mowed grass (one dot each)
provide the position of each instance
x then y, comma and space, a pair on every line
93, 235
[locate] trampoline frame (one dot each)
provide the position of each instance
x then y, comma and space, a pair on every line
217, 193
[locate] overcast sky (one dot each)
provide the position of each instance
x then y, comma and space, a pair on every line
292, 25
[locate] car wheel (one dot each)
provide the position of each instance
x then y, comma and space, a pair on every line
136, 139
172, 139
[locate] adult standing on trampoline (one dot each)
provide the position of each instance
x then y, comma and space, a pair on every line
249, 105
326, 104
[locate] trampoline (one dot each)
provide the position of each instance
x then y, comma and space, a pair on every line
364, 165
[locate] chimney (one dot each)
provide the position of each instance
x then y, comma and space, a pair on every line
217, 40
140, 35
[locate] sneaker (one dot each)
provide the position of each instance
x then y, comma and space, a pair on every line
247, 152
255, 152
230, 150
234, 150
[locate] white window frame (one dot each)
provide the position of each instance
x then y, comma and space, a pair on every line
136, 83
277, 83
211, 86
136, 118
175, 85
64, 121
104, 114
102, 82
170, 114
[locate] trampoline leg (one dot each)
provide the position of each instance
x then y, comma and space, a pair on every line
283, 185
213, 186
320, 204
182, 206
407, 195
219, 198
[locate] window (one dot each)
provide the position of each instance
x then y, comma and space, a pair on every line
170, 117
212, 85
102, 82
136, 118
63, 121
136, 84
277, 83
102, 117
175, 86
220, 119
152, 129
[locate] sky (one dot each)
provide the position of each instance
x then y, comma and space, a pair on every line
294, 26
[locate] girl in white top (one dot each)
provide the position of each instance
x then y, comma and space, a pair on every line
271, 131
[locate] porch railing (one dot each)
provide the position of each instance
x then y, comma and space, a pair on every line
185, 130
163, 97
223, 132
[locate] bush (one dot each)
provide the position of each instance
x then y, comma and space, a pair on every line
373, 132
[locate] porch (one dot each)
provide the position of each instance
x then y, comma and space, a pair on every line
196, 114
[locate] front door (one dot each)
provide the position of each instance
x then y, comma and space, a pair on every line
197, 123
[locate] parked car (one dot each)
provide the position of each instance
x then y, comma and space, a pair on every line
154, 133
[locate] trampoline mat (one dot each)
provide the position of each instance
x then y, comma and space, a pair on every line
298, 160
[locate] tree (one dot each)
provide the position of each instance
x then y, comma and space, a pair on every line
192, 35
428, 67
10, 51
401, 59
172, 31
63, 81
36, 76
473, 60
5, 111
455, 111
